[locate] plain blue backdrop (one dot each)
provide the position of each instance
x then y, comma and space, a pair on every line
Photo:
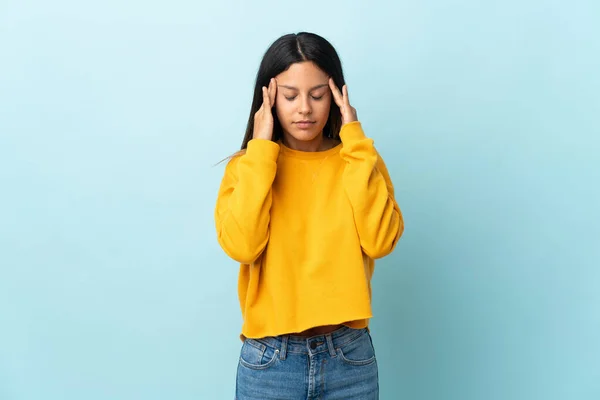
113, 114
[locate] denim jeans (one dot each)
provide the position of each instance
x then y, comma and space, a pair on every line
335, 366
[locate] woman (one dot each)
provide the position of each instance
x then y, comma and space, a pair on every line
305, 207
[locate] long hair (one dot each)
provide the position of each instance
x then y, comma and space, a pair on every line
283, 52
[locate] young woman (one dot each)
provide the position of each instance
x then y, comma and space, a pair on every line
306, 207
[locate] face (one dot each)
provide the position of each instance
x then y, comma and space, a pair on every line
302, 102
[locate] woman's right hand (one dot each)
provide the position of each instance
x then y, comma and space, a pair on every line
263, 118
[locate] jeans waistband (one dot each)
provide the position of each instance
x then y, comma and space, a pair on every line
314, 344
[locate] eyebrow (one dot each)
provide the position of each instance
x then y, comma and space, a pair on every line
295, 88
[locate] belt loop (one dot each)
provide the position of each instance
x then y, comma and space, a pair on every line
284, 344
330, 347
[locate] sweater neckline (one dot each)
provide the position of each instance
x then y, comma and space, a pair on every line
309, 155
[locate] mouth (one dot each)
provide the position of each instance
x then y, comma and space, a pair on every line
304, 124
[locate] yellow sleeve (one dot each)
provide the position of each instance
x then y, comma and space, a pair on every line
242, 212
377, 217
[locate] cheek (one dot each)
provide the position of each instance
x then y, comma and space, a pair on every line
323, 108
282, 108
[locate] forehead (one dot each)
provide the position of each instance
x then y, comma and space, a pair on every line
302, 75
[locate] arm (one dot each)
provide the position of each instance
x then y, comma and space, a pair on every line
370, 191
242, 213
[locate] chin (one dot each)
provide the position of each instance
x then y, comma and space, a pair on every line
305, 135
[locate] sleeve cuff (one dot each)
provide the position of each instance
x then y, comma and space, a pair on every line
352, 132
262, 148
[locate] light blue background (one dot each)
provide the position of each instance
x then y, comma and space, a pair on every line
113, 114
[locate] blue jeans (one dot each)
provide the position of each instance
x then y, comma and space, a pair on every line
339, 365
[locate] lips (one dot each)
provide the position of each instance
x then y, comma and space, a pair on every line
304, 124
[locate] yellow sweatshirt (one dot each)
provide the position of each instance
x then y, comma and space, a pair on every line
306, 228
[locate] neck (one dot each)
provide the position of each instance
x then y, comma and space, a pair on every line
316, 144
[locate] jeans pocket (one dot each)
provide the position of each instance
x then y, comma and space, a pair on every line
358, 352
256, 355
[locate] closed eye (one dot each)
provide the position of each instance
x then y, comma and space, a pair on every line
314, 97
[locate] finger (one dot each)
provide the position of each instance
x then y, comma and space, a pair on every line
272, 91
265, 93
345, 94
337, 96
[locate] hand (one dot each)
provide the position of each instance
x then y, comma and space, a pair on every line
263, 118
341, 99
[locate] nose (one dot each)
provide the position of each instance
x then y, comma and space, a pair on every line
304, 107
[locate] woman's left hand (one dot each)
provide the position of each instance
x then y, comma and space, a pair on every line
343, 102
